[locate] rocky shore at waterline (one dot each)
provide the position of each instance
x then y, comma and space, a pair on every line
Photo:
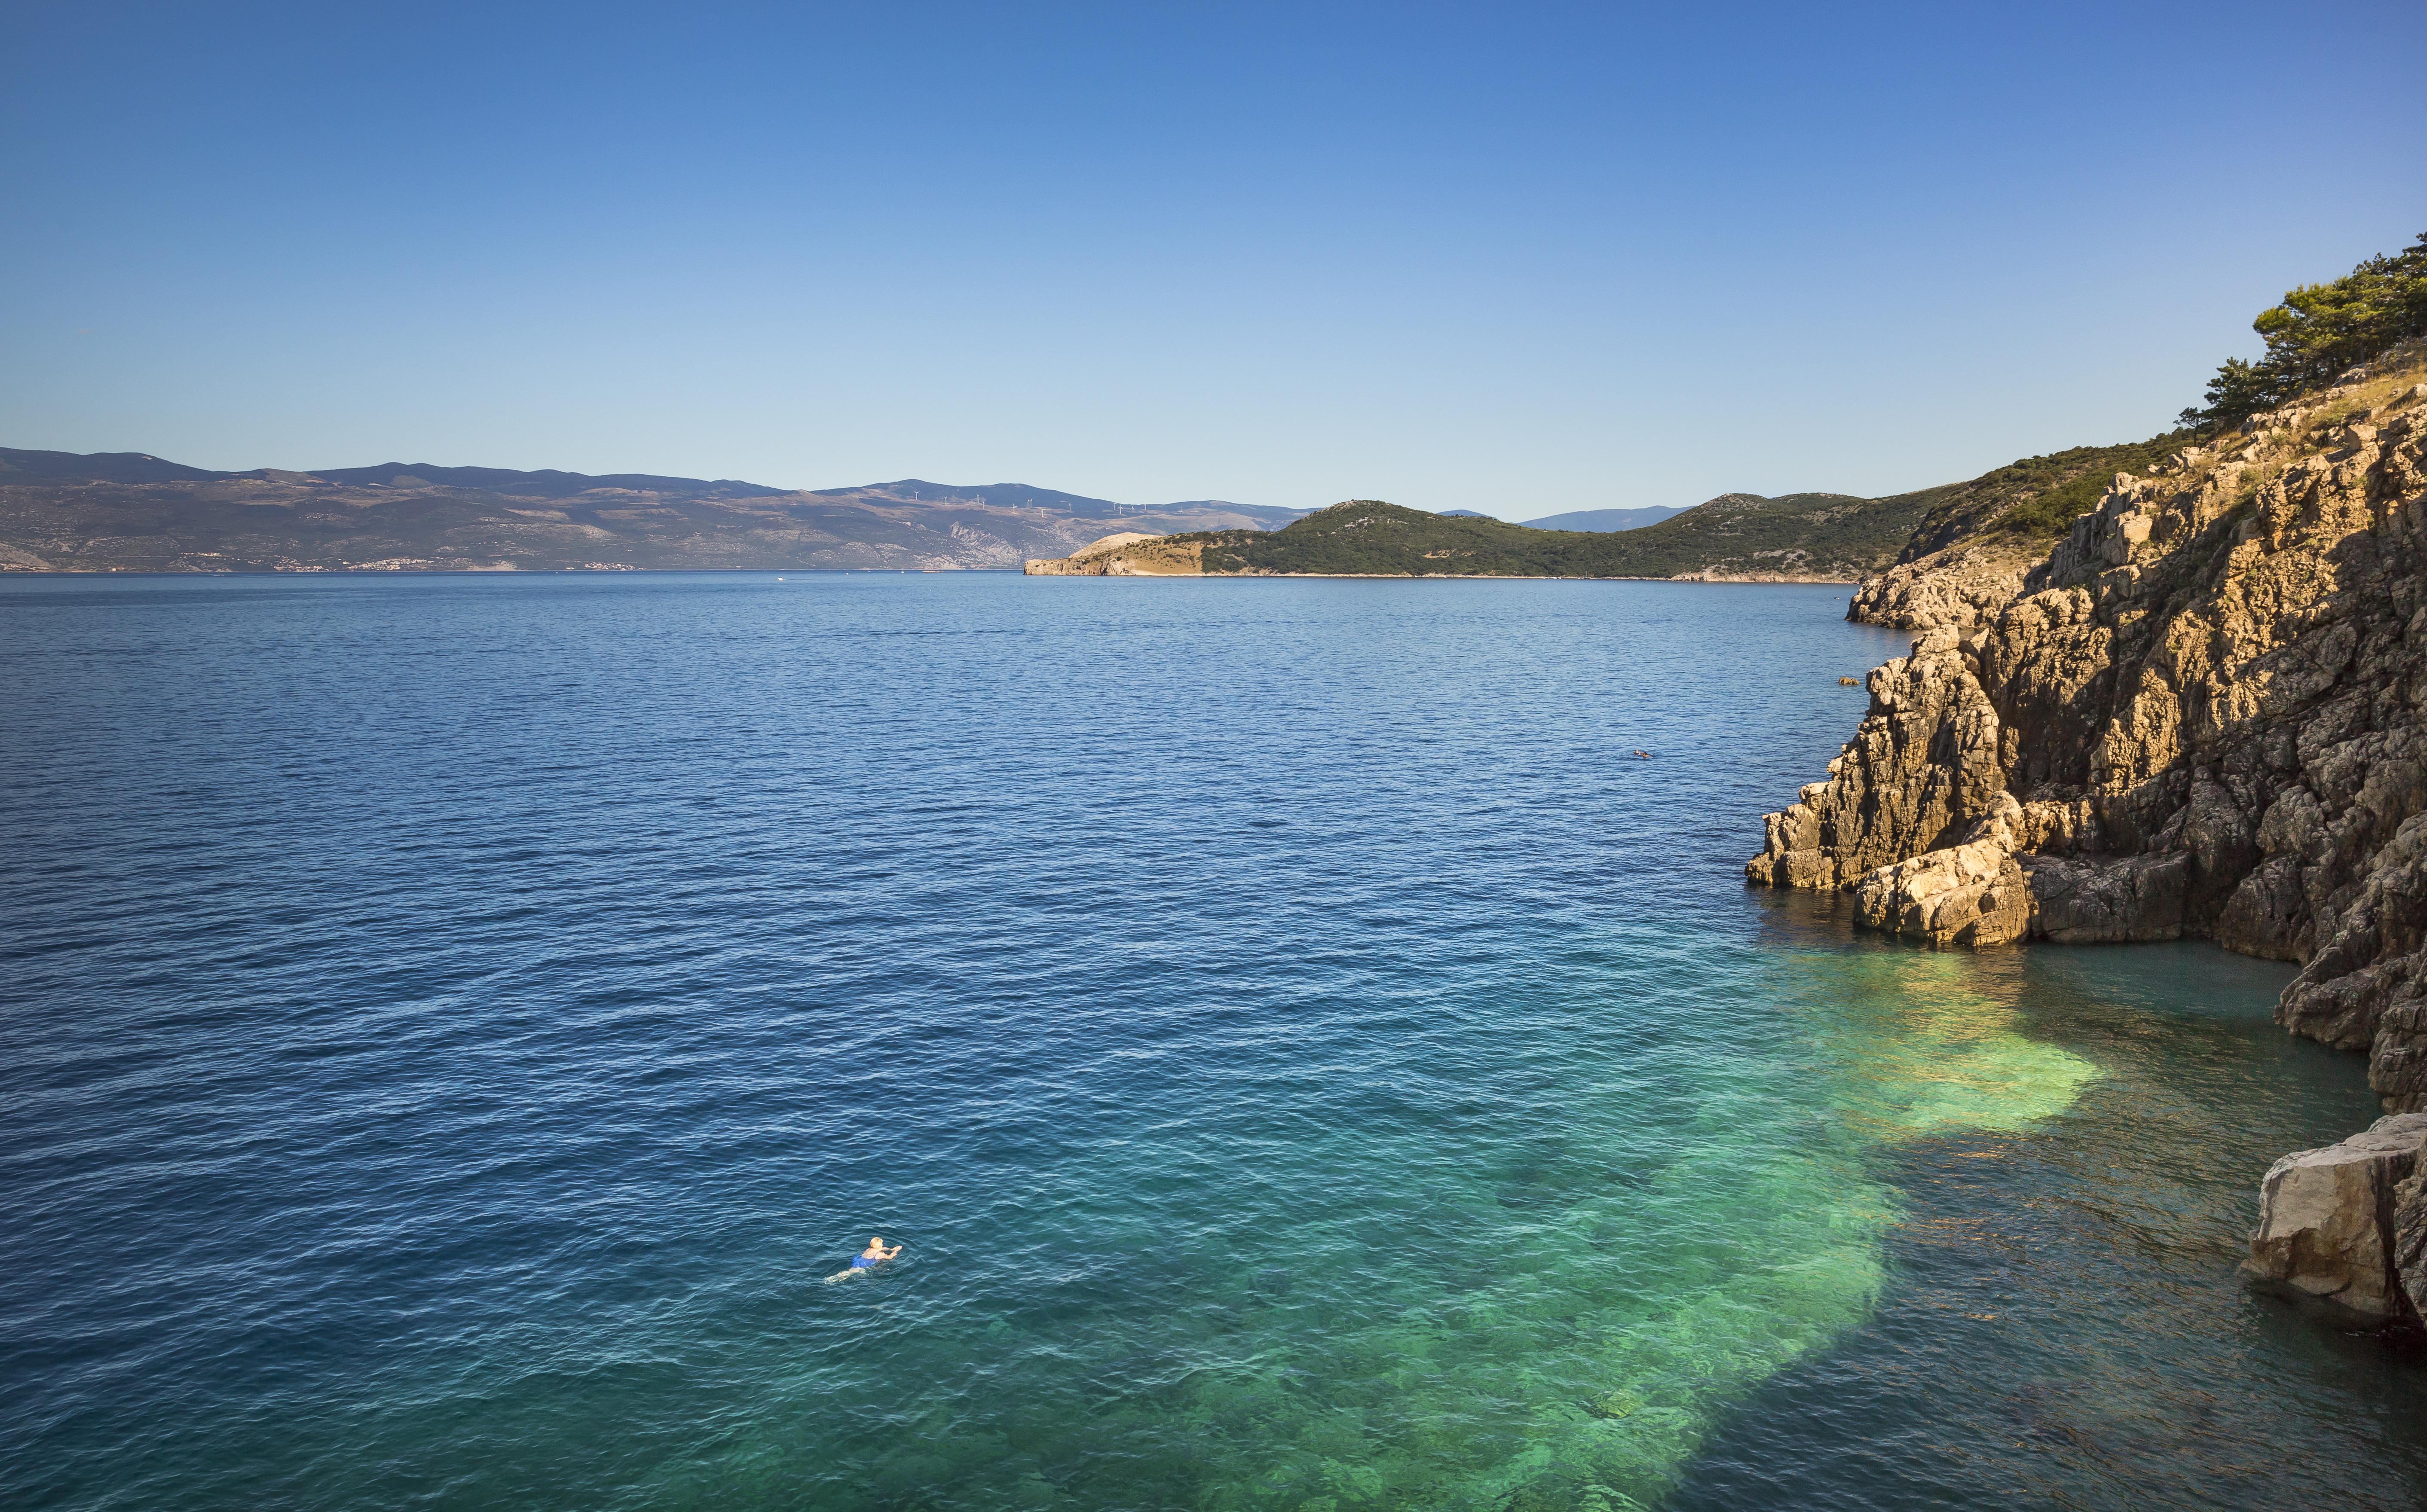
2204, 714
2348, 1222
1126, 554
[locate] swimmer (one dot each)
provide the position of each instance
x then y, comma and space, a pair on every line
866, 1259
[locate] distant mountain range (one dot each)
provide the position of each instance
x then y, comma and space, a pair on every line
1580, 519
130, 512
1606, 519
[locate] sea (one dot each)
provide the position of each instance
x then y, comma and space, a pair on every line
1310, 1040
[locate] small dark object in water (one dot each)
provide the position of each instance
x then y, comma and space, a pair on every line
1850, 682
1645, 755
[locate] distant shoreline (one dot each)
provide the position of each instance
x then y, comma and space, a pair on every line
6, 574
1466, 577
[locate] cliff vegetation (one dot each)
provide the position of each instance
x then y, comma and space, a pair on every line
2316, 330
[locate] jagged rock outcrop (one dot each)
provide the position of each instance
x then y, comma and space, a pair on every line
1970, 894
1922, 767
2410, 1237
1130, 554
2331, 1221
1977, 540
2202, 715
1962, 587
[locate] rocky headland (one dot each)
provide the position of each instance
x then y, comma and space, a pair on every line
1961, 586
1809, 538
1128, 554
2201, 713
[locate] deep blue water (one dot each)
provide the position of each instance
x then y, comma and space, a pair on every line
452, 1027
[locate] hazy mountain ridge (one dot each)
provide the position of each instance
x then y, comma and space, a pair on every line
1581, 519
132, 512
1607, 519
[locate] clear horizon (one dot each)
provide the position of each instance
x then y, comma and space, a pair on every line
1522, 263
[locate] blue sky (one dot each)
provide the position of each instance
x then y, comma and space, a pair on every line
1514, 258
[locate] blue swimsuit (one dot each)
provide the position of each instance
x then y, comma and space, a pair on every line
861, 1262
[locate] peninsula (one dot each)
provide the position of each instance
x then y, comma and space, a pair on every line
1736, 537
1794, 538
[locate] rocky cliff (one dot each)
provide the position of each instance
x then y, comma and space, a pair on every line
1961, 586
2201, 714
1978, 541
1129, 554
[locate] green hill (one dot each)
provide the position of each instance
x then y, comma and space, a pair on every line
1830, 537
2033, 501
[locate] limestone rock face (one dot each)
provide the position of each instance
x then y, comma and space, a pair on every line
2410, 1237
1972, 893
2093, 902
1130, 554
1963, 895
1962, 587
2331, 1220
2204, 714
1922, 769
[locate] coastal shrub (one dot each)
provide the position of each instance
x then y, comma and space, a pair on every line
2051, 511
2032, 499
2319, 330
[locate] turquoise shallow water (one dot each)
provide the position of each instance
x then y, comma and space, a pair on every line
453, 1026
